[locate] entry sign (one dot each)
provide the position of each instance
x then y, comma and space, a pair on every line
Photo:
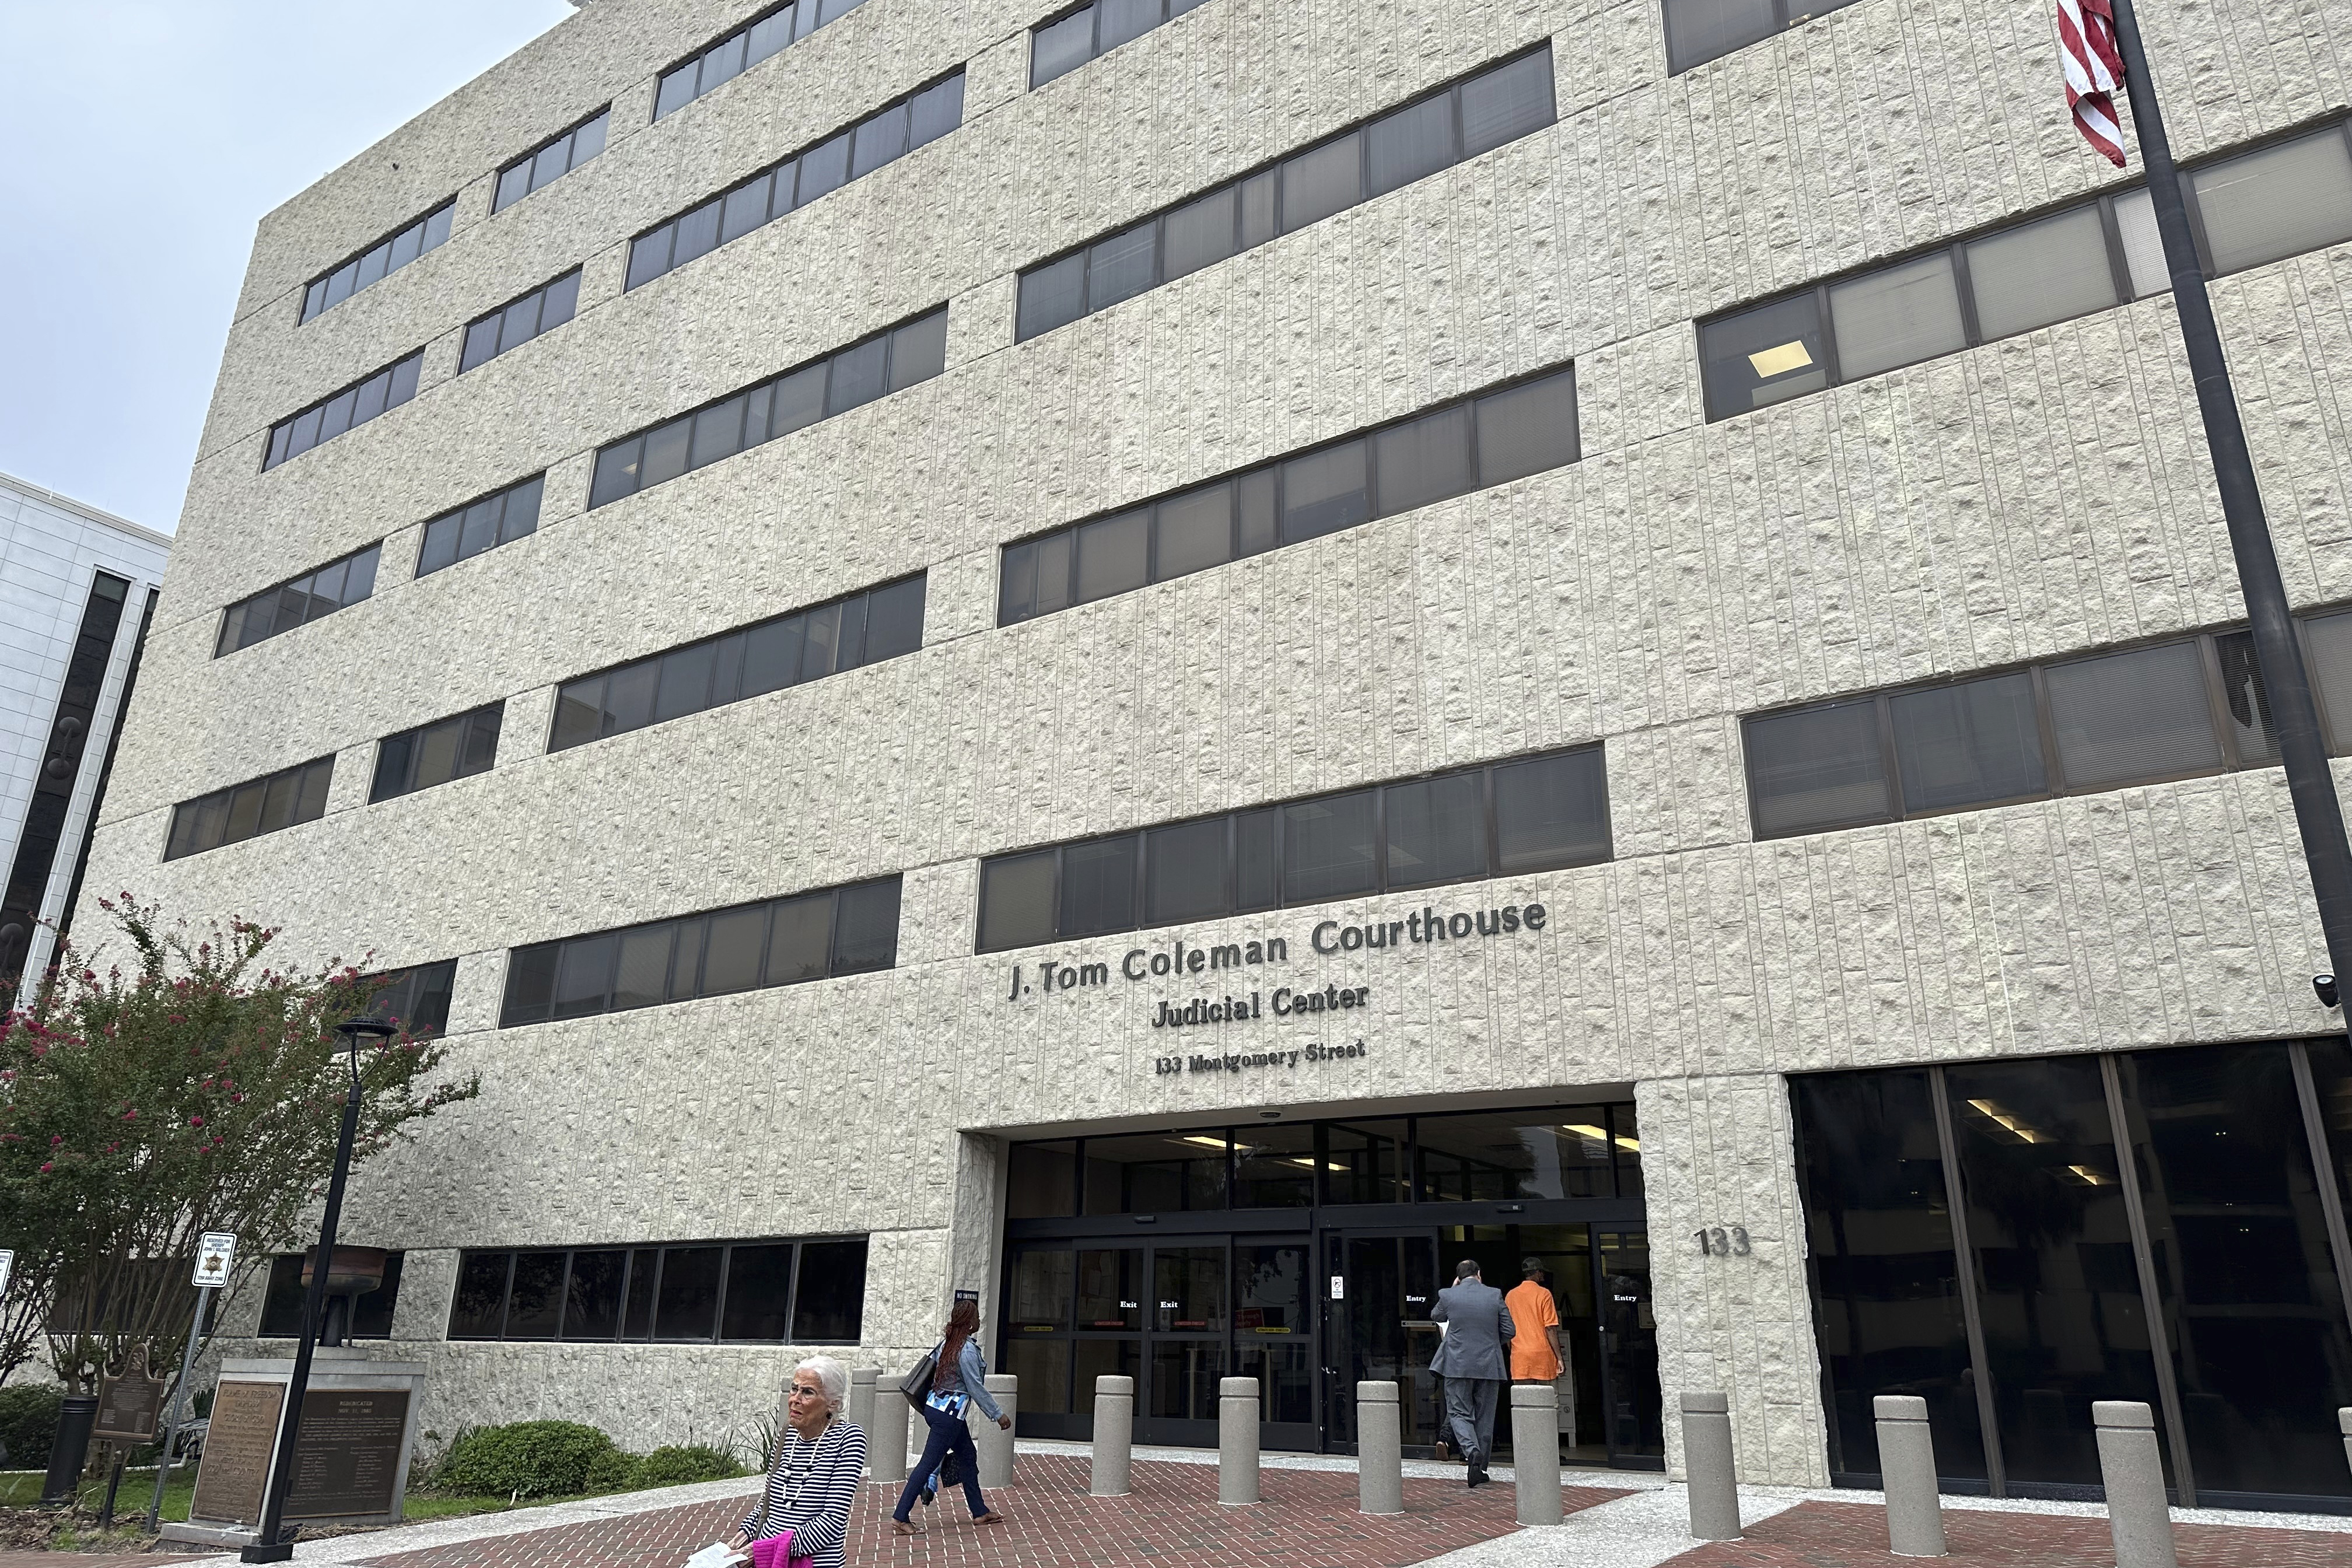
216, 1256
1339, 1286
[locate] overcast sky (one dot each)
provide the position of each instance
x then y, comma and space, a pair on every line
140, 141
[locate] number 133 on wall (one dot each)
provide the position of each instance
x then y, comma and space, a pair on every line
1722, 1241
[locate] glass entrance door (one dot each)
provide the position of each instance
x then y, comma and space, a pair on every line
1634, 1424
1379, 1292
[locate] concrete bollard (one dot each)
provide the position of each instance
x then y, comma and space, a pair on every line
861, 1405
886, 1440
2343, 1425
995, 1442
1114, 1470
1707, 1464
1535, 1451
1236, 1440
1380, 1449
1906, 1464
2133, 1472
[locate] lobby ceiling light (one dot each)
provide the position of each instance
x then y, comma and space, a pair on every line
1780, 361
1586, 1130
1991, 1112
1204, 1143
2091, 1177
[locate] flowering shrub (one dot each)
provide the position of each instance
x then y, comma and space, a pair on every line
201, 1091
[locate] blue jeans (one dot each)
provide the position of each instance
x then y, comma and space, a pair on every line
948, 1436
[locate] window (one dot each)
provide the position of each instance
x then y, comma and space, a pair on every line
380, 260
740, 50
888, 362
497, 518
1698, 31
2247, 210
354, 406
1435, 131
888, 133
808, 936
249, 810
1062, 46
2176, 710
433, 754
543, 309
805, 1291
334, 586
863, 628
416, 999
550, 161
1532, 814
281, 1305
1459, 446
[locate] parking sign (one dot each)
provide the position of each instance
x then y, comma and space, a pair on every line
216, 1254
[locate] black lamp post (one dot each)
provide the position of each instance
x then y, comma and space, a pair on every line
266, 1547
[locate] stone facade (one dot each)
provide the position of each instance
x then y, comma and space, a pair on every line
2037, 496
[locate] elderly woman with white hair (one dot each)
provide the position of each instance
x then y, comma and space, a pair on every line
818, 1464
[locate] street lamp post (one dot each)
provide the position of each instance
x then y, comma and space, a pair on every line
266, 1547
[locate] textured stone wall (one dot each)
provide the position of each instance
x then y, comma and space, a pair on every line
2031, 498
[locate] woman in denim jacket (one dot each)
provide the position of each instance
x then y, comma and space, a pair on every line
961, 1379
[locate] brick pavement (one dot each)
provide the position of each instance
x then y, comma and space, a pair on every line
1309, 1519
83, 1560
1848, 1535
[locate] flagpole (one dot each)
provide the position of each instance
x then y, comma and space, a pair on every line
2295, 717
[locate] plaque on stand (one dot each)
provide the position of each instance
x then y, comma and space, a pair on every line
351, 1447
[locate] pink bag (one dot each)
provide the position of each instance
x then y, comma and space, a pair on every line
776, 1552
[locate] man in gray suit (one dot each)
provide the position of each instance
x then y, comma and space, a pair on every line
1474, 1362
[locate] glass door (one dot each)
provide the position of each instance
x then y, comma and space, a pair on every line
1273, 1337
1184, 1348
1634, 1425
1379, 1291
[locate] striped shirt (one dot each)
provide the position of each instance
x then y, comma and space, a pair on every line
809, 1493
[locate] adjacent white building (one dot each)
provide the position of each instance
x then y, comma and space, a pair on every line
1176, 660
76, 588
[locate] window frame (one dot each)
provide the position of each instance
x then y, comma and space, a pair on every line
2206, 642
1383, 883
221, 648
296, 777
444, 213
1272, 169
454, 516
1095, 50
571, 162
635, 1255
743, 30
1781, 23
470, 718
275, 456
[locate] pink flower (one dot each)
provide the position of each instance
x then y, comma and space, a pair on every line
196, 1122
46, 1169
56, 1138
131, 1115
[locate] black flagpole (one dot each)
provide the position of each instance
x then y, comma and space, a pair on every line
2295, 718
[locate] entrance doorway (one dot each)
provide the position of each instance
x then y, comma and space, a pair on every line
1308, 1256
1378, 1327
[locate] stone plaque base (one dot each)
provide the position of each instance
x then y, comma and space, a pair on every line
351, 1462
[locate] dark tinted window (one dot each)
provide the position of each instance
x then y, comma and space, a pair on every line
386, 389
758, 1292
1532, 814
509, 327
740, 50
380, 260
265, 804
334, 586
417, 1000
1503, 434
549, 162
281, 1306
433, 754
478, 1309
495, 520
830, 1302
750, 946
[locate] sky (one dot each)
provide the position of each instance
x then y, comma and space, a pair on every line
141, 142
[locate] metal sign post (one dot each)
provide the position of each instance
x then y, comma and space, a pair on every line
216, 1256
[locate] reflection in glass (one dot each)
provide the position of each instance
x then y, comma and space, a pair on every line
1188, 1287
1042, 1367
1275, 1167
1967, 744
1110, 1288
1365, 1163
1823, 767
2127, 717
1042, 1277
1156, 1172
1508, 1155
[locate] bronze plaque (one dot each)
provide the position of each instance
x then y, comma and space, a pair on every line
237, 1452
129, 1407
347, 1452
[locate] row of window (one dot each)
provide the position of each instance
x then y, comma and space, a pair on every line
741, 50
873, 367
2247, 210
1558, 1152
1512, 817
318, 592
249, 810
282, 1300
543, 309
802, 1292
1061, 46
1698, 31
466, 532
551, 160
1456, 447
845, 634
2177, 710
353, 406
884, 136
1499, 104
380, 260
780, 941
435, 753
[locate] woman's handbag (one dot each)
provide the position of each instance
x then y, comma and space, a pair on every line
776, 1552
917, 1385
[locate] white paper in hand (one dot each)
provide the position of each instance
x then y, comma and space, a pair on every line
715, 1556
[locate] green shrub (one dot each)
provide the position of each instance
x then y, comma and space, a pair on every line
611, 1471
29, 1425
530, 1458
680, 1465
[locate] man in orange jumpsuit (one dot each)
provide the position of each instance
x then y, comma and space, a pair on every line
1536, 1349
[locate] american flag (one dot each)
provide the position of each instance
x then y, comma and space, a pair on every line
2087, 36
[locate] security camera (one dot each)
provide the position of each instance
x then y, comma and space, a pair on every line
2325, 985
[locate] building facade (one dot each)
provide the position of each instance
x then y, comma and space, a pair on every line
79, 586
1174, 662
